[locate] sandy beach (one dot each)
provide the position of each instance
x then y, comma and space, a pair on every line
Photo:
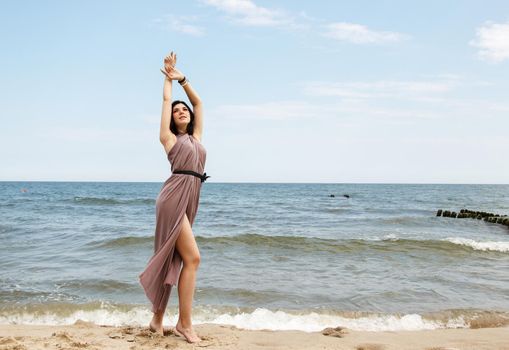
84, 335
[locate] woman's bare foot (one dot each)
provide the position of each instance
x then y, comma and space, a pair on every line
156, 328
187, 333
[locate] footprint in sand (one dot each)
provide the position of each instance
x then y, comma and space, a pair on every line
66, 337
370, 347
206, 341
10, 343
338, 332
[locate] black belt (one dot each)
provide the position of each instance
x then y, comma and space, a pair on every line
190, 172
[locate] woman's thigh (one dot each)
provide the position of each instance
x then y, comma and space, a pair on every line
186, 244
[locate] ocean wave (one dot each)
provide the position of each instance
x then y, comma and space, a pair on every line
387, 243
312, 322
390, 243
100, 285
105, 313
11, 294
483, 246
336, 210
120, 242
113, 201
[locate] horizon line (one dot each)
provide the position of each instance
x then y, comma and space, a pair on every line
281, 183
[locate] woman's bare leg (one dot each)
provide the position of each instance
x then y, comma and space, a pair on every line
156, 325
188, 250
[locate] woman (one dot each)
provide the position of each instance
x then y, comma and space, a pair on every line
176, 206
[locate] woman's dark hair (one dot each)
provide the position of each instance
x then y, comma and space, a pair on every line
190, 126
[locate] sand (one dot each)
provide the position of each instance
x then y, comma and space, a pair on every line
84, 335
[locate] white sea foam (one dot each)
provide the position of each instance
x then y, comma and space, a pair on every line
387, 237
390, 237
313, 322
489, 245
258, 319
105, 315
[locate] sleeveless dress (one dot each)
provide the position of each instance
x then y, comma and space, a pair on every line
178, 196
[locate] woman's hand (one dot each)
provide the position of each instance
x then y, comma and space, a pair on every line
169, 63
172, 73
170, 60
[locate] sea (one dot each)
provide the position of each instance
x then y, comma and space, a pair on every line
276, 256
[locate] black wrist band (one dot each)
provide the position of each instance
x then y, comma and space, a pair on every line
181, 81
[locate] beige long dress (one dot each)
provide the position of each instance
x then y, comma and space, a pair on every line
179, 195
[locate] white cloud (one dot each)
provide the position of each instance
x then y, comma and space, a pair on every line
278, 110
379, 89
185, 28
492, 39
86, 135
346, 112
247, 13
359, 34
182, 24
388, 101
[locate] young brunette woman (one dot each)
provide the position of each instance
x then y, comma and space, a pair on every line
176, 255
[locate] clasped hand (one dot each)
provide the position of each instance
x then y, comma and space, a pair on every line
170, 71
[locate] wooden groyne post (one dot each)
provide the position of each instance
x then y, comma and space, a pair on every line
479, 215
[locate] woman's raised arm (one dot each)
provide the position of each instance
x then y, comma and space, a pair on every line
165, 135
192, 95
164, 132
197, 109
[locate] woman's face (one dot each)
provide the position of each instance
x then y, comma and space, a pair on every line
181, 115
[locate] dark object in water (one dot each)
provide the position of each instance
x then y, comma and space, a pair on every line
479, 215
346, 195
331, 195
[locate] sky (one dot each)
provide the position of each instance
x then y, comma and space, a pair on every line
293, 91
